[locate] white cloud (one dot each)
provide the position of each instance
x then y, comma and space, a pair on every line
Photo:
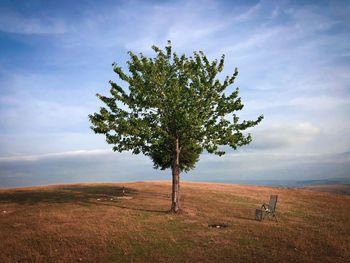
320, 102
76, 166
38, 115
48, 141
308, 20
249, 13
101, 165
16, 23
283, 135
252, 42
186, 23
58, 155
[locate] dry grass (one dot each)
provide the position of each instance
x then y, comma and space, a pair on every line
332, 188
66, 223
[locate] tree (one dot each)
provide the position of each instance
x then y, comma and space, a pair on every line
173, 109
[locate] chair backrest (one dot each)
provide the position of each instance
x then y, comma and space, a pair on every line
273, 202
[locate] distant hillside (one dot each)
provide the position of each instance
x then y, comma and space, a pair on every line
97, 223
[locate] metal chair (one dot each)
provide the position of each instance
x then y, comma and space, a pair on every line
270, 208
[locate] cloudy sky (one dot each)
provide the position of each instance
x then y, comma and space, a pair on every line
293, 59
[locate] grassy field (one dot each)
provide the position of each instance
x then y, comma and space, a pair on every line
91, 223
331, 188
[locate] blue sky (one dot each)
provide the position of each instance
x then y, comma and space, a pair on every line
293, 59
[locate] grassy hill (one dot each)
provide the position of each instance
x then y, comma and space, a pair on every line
94, 223
332, 188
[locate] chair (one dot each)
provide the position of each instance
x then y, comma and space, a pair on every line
270, 208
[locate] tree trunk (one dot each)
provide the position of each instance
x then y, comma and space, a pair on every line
175, 202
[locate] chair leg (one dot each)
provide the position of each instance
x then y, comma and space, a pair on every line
274, 215
264, 213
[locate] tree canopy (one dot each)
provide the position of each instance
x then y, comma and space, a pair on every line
170, 96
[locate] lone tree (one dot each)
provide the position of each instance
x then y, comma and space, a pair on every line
173, 109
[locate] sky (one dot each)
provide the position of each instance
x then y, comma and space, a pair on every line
293, 59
